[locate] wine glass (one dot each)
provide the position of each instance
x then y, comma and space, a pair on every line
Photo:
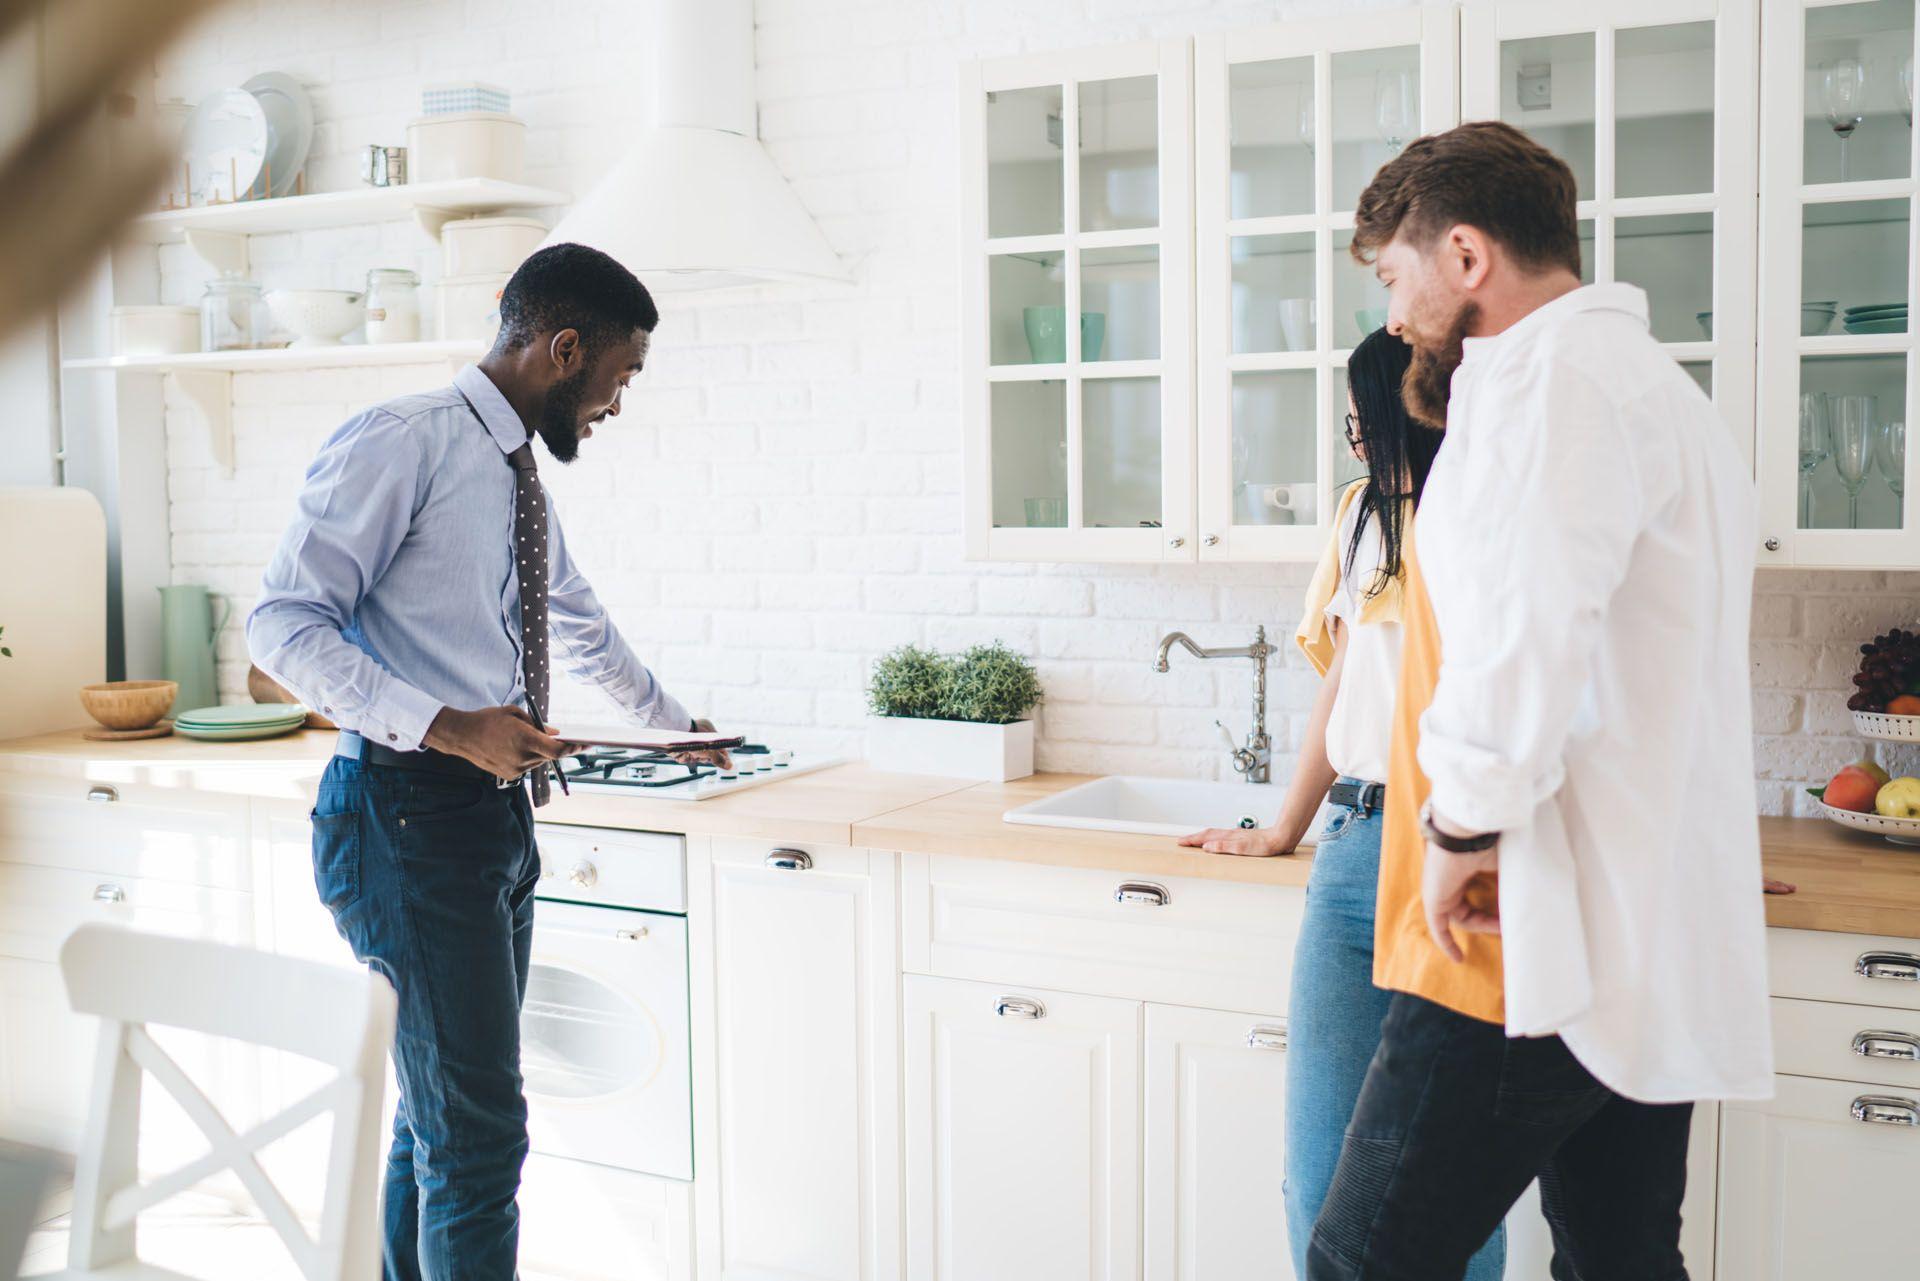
1843, 84
1303, 123
1890, 451
1906, 88
1396, 107
1853, 436
1816, 414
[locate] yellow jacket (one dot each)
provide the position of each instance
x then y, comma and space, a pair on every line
1313, 635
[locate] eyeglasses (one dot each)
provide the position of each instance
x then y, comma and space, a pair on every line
1353, 431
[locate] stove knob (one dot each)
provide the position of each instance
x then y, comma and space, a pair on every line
584, 875
781, 759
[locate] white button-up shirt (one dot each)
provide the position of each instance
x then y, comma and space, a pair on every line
1587, 540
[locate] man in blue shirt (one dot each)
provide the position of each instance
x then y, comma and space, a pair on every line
412, 602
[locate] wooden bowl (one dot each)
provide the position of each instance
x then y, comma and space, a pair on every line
128, 704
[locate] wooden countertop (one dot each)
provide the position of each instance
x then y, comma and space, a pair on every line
1848, 881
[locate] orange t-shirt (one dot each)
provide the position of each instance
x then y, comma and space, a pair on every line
1404, 956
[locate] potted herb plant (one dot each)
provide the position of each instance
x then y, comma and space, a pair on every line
964, 716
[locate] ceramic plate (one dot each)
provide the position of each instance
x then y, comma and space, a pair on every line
1901, 831
289, 128
1898, 729
1866, 307
1890, 325
242, 715
235, 734
225, 144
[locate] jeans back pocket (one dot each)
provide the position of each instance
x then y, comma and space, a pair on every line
336, 857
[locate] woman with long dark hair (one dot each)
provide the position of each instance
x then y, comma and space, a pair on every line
1351, 634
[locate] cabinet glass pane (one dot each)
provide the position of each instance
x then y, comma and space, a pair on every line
1120, 303
1546, 90
1701, 371
1853, 267
1270, 126
1119, 153
1026, 309
1029, 453
1026, 186
1586, 251
1376, 111
1273, 448
1359, 300
1120, 442
1852, 413
1273, 293
1663, 131
1859, 92
1671, 257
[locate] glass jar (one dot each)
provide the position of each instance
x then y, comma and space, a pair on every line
393, 305
233, 315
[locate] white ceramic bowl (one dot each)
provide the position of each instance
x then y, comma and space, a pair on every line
155, 331
489, 246
1901, 831
316, 317
1888, 727
1817, 317
466, 144
470, 307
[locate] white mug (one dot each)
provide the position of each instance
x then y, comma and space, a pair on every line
1264, 504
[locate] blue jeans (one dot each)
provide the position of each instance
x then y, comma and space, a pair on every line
430, 878
1333, 1026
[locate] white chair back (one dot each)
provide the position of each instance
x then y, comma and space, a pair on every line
340, 1017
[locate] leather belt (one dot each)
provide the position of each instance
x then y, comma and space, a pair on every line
356, 748
1368, 798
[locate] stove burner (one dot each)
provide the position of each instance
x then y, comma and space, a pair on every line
632, 767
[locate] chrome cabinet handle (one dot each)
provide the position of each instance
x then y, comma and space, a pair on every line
1141, 892
632, 935
1887, 1045
1019, 1007
109, 894
1902, 966
102, 793
1266, 1038
1773, 544
584, 874
1176, 542
1886, 1109
1211, 540
787, 860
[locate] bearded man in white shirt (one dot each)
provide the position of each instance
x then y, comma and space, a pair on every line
1586, 540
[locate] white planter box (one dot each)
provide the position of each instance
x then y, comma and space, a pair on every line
957, 749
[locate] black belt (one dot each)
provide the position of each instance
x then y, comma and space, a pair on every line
1368, 798
356, 748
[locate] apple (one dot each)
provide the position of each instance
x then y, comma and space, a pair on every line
1852, 789
1872, 767
1899, 799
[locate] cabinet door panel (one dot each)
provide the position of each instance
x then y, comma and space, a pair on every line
124, 829
1023, 1134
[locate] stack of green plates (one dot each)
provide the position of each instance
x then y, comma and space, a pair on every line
238, 721
1879, 318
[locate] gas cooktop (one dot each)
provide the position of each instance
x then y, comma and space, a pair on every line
657, 775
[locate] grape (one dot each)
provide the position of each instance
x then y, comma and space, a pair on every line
1889, 667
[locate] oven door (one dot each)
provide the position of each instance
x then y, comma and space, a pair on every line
604, 1039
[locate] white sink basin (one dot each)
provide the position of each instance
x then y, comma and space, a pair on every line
1153, 806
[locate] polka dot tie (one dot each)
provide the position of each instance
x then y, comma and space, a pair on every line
530, 556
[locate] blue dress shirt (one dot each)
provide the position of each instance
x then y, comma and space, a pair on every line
394, 592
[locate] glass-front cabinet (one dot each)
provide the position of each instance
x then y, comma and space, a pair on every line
1077, 346
1836, 279
1290, 124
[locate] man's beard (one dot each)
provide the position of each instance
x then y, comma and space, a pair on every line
560, 420
1429, 379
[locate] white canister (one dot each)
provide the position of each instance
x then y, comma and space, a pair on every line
489, 246
468, 144
155, 331
470, 307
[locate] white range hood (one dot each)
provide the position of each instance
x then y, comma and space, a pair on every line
696, 202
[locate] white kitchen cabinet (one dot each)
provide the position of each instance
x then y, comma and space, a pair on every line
1216, 1095
1290, 124
1023, 1134
1076, 344
797, 1102
1818, 1182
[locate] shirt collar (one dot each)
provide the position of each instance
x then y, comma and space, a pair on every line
1629, 299
496, 415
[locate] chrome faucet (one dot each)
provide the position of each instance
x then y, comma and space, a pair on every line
1254, 761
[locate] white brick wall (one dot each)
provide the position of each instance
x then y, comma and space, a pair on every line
779, 501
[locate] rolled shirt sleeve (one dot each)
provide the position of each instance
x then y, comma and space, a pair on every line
353, 513
1540, 533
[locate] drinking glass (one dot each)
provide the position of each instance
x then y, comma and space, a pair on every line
1906, 88
1853, 435
1843, 84
1890, 451
1303, 122
1816, 414
1396, 107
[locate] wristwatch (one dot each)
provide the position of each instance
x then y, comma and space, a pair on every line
1476, 844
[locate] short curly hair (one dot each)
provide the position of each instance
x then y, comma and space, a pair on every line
1486, 174
571, 286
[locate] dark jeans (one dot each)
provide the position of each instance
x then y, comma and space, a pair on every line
431, 880
1455, 1120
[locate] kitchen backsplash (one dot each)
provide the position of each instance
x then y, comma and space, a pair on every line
779, 500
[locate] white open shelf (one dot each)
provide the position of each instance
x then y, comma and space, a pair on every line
442, 200
341, 356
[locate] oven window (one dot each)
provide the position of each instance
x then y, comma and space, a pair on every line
580, 1039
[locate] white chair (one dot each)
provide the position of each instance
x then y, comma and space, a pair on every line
340, 1017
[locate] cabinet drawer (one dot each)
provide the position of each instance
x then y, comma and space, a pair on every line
1860, 969
1172, 940
124, 829
1818, 1038
40, 906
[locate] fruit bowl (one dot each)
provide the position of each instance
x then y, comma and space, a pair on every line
1886, 726
1901, 831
